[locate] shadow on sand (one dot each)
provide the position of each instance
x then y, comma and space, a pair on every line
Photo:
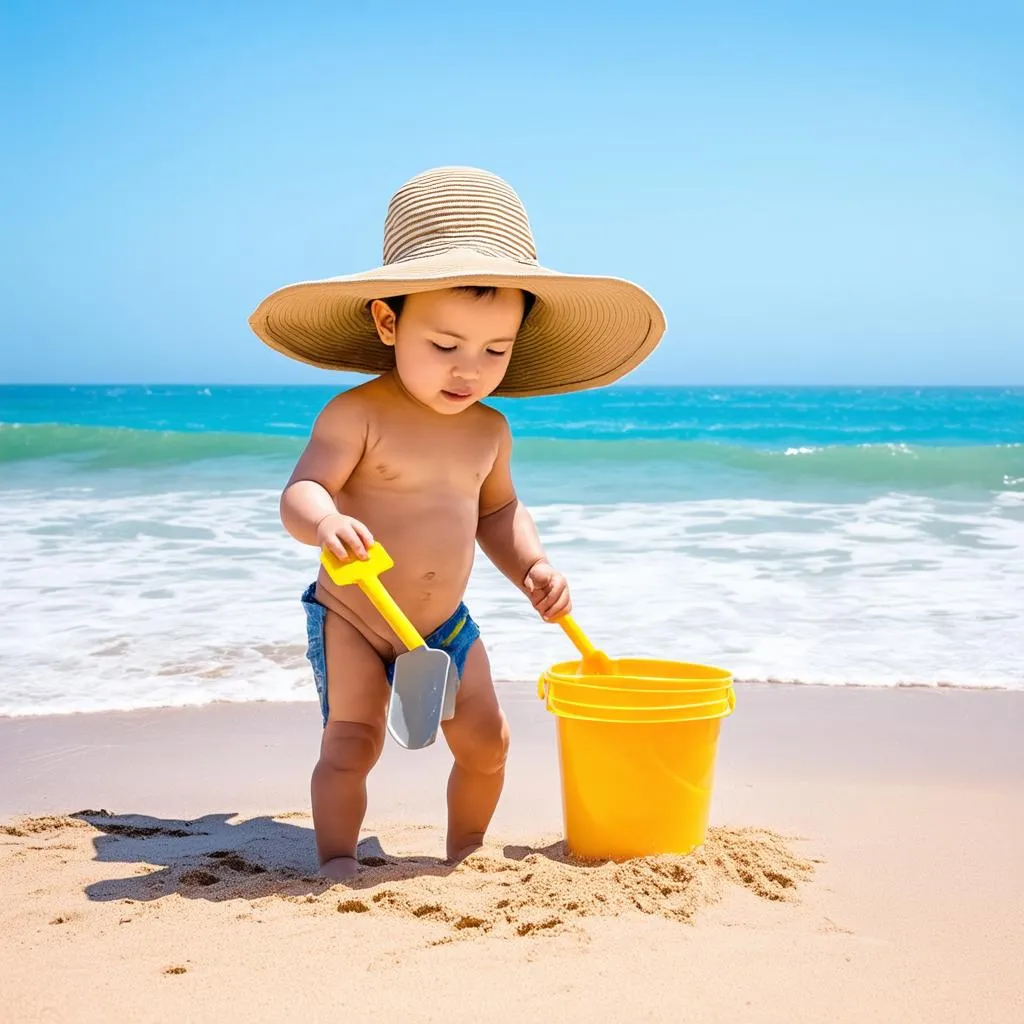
219, 857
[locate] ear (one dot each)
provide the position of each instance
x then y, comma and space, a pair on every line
384, 320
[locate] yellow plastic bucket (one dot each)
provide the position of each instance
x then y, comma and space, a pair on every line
637, 754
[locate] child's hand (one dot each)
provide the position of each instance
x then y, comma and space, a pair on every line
345, 536
548, 591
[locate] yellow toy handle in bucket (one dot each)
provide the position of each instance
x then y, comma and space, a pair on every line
594, 662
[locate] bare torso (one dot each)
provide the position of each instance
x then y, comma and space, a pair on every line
417, 487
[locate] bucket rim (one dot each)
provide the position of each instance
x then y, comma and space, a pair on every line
562, 670
659, 707
721, 703
585, 683
621, 720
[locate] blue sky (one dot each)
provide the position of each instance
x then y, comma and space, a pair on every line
814, 194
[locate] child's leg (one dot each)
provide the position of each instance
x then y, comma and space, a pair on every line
478, 738
357, 696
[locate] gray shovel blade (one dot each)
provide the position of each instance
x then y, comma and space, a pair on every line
417, 697
451, 690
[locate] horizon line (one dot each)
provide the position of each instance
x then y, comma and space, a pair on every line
606, 387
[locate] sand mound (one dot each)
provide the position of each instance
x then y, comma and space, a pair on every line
37, 826
517, 890
534, 890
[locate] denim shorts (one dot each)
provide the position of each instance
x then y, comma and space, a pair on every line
454, 637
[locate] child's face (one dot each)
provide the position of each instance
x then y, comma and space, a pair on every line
452, 348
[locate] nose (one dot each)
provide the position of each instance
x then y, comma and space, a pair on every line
466, 369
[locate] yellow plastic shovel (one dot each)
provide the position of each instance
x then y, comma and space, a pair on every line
594, 662
425, 681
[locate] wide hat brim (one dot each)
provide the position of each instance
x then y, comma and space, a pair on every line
583, 332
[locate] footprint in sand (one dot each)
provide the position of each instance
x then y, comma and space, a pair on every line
198, 877
232, 860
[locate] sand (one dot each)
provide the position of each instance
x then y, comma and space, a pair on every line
512, 891
863, 865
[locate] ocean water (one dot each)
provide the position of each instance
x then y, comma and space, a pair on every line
833, 535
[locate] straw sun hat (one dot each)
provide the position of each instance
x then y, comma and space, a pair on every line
460, 226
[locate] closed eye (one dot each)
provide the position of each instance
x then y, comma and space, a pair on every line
491, 352
444, 348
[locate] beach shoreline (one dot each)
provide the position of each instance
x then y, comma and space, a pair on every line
52, 763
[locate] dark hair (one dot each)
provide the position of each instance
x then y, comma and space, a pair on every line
478, 291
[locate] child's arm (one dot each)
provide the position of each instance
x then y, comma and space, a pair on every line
508, 536
308, 509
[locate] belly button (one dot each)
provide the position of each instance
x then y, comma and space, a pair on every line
429, 575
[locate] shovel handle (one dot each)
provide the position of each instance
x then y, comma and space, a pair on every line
576, 635
365, 573
372, 587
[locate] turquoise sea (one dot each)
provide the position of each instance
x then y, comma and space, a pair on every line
827, 535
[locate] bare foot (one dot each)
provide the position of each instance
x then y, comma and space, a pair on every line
340, 869
460, 855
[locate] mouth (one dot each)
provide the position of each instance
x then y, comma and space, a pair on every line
456, 396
